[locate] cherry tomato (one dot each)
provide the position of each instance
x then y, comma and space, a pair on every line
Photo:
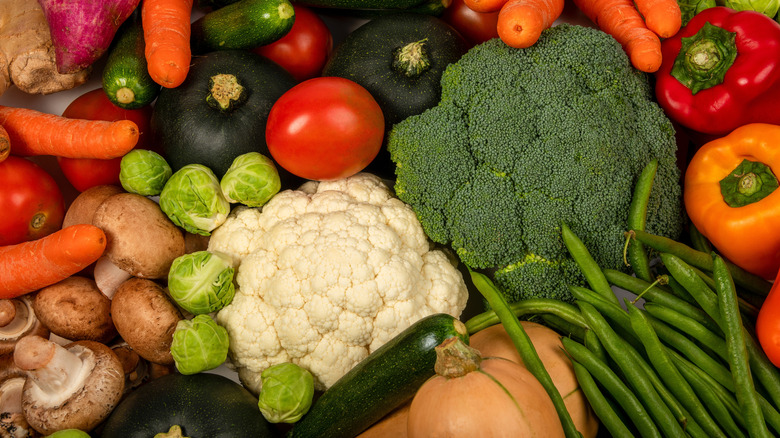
84, 173
476, 27
305, 49
30, 201
325, 128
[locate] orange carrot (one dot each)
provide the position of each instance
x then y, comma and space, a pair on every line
33, 132
29, 266
166, 25
661, 16
621, 19
484, 5
521, 22
5, 144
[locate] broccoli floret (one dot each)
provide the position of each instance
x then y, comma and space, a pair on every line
524, 140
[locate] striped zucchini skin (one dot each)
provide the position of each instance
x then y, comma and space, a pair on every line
126, 79
381, 382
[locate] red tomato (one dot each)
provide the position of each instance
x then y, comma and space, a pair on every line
325, 128
305, 49
476, 27
30, 201
84, 173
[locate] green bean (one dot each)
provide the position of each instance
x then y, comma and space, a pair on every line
714, 404
693, 283
748, 309
739, 361
765, 373
593, 344
750, 282
634, 372
637, 218
689, 326
615, 386
562, 326
525, 347
531, 306
590, 269
680, 291
658, 295
698, 241
599, 403
669, 374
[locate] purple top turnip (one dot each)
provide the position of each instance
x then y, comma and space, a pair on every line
82, 30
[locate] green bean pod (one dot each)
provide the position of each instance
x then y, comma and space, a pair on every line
637, 218
599, 403
590, 269
689, 326
531, 306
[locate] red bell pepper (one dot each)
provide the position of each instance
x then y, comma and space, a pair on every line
721, 71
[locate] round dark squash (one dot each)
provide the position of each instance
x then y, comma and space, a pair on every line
203, 405
399, 59
220, 110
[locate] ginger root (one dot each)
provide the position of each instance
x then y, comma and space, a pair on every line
27, 57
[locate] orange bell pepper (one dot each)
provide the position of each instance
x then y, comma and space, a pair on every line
731, 196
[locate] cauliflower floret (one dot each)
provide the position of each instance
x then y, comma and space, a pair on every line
328, 273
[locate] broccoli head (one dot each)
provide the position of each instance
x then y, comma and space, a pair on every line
524, 140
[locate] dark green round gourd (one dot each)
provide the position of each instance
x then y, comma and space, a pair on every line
203, 405
195, 124
399, 59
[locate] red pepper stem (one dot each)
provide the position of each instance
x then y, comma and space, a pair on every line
705, 58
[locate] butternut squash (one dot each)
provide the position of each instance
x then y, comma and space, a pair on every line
494, 341
471, 396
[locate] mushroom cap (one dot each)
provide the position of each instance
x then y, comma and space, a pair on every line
82, 209
140, 238
88, 406
25, 323
146, 318
75, 309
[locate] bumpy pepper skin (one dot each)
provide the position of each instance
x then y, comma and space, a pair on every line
748, 235
750, 89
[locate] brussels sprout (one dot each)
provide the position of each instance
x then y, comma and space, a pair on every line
251, 180
69, 433
144, 172
286, 394
202, 281
199, 344
193, 200
766, 7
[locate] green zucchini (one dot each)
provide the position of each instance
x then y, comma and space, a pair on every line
244, 25
126, 80
381, 382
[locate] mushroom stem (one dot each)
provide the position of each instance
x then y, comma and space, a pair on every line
55, 371
7, 312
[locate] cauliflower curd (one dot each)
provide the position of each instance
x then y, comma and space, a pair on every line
327, 274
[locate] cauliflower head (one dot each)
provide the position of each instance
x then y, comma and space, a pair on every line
328, 273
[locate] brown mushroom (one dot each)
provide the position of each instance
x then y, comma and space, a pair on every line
75, 386
19, 320
137, 369
75, 309
146, 318
12, 420
140, 238
82, 209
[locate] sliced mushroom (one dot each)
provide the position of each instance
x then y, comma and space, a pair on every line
140, 238
146, 318
75, 309
75, 386
109, 276
18, 320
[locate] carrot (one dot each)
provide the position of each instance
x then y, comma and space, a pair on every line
621, 19
33, 132
521, 22
5, 144
166, 26
484, 5
29, 266
661, 16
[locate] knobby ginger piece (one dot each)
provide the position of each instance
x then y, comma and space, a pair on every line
27, 57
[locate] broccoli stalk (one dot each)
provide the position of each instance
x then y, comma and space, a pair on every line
526, 139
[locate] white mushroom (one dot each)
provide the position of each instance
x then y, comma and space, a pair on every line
12, 421
75, 386
18, 319
109, 276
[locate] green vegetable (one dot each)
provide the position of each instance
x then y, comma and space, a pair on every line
126, 80
202, 281
769, 8
287, 392
689, 8
144, 172
251, 180
525, 139
381, 382
193, 199
199, 344
69, 433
